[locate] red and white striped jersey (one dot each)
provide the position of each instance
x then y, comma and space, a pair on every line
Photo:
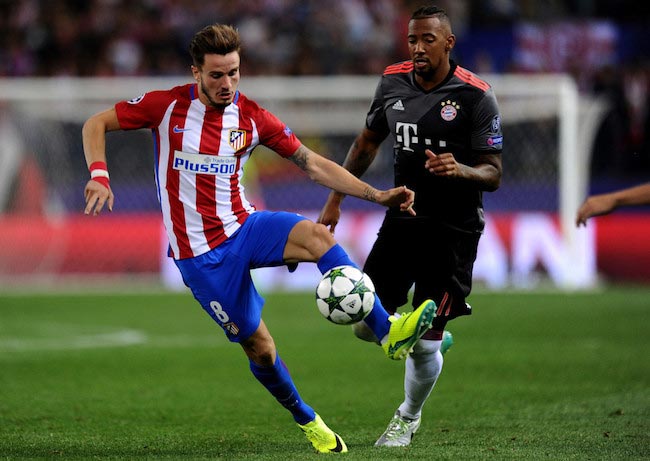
200, 152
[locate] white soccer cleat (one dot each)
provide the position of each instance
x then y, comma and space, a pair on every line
399, 432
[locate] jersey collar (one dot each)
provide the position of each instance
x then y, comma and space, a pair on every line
452, 69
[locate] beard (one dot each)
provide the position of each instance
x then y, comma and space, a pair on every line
212, 102
426, 74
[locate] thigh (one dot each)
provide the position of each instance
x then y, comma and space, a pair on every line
391, 265
447, 277
220, 280
263, 237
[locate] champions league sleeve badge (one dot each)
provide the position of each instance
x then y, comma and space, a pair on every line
136, 100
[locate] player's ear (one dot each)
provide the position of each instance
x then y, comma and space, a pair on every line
451, 41
196, 72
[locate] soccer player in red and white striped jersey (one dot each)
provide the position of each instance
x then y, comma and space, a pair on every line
204, 132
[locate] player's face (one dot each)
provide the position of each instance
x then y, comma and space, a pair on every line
218, 79
430, 42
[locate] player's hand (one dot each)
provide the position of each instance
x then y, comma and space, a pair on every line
330, 215
96, 197
442, 164
398, 196
594, 206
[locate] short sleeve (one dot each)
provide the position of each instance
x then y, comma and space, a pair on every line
145, 111
275, 135
376, 119
486, 132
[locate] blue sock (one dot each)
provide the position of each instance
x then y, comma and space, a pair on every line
278, 382
335, 256
377, 320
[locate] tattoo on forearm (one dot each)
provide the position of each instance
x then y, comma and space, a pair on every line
370, 194
300, 158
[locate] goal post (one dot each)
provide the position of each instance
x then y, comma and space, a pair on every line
548, 133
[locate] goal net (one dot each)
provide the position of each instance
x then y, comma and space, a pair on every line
47, 239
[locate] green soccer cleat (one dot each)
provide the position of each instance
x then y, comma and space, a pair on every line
447, 341
399, 432
407, 329
322, 438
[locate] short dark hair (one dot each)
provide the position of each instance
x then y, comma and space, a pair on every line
214, 39
429, 11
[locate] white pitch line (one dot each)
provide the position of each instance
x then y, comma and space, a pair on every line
120, 338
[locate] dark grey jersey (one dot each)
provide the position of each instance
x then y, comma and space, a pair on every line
460, 116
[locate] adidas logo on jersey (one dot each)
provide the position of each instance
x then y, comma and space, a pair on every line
398, 105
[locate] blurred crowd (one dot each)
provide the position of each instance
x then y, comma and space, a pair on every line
605, 44
150, 37
287, 37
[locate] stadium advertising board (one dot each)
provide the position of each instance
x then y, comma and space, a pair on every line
518, 250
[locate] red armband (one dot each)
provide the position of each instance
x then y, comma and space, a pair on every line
99, 173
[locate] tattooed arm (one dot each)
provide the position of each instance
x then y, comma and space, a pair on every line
329, 174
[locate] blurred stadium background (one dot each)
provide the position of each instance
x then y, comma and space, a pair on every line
572, 78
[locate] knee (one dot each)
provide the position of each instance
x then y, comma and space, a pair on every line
322, 235
265, 358
262, 356
260, 350
308, 241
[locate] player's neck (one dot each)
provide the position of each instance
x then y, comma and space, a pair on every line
429, 82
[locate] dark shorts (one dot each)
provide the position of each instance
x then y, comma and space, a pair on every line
436, 260
221, 281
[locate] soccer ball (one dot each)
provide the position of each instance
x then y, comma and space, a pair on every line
345, 295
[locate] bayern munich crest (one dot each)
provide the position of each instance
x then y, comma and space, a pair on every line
449, 110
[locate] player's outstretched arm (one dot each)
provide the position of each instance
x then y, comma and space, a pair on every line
97, 192
330, 174
601, 204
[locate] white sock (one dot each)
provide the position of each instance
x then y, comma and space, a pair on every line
423, 366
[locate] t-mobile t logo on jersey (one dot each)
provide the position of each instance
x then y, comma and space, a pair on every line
406, 134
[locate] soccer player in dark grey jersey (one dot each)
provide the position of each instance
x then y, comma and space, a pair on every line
446, 125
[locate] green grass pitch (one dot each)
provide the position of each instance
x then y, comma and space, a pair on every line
548, 376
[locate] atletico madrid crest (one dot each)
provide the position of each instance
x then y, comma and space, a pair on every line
237, 139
